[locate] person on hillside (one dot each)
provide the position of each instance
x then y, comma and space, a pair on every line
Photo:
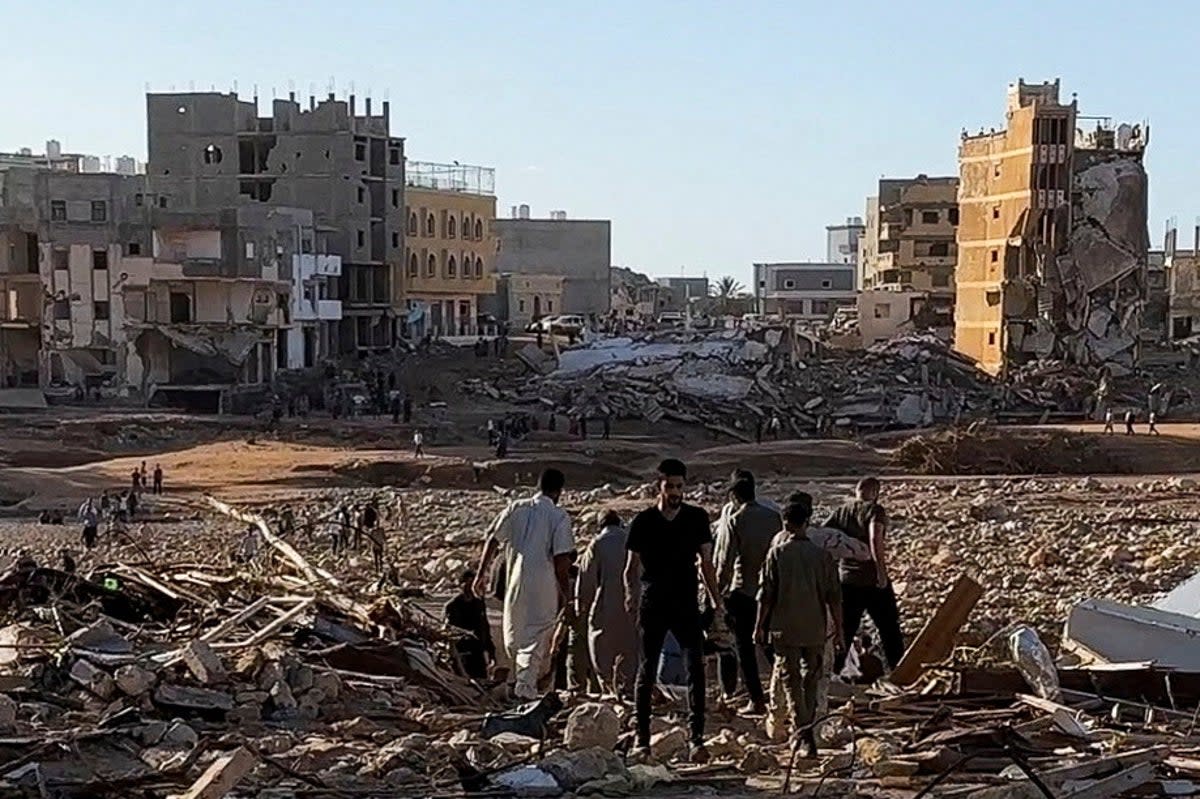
535, 534
89, 517
158, 478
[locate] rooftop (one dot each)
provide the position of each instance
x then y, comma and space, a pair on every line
450, 177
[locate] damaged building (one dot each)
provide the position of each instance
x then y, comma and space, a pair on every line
211, 151
1052, 238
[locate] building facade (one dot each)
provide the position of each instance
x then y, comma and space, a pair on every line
841, 241
577, 250
527, 298
1052, 238
451, 250
806, 291
212, 151
908, 243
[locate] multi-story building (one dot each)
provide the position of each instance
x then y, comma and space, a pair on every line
841, 241
526, 298
22, 299
806, 291
212, 151
908, 241
451, 248
1052, 240
577, 250
685, 290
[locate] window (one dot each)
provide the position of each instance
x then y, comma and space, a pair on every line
212, 154
62, 310
58, 210
820, 307
883, 310
939, 249
995, 212
394, 156
99, 211
139, 199
100, 311
61, 258
361, 194
478, 229
549, 306
395, 198
930, 217
451, 267
826, 284
249, 250
99, 259
941, 280
996, 169
991, 339
360, 151
413, 265
362, 238
521, 305
478, 267
431, 266
466, 227
395, 239
162, 201
953, 214
993, 298
181, 307
412, 224
306, 244
450, 232
995, 256
789, 284
133, 248
430, 226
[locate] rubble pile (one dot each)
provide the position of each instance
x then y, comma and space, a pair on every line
731, 380
989, 450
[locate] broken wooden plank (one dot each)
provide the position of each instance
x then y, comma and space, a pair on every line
1115, 785
936, 639
1105, 765
1068, 720
313, 574
221, 777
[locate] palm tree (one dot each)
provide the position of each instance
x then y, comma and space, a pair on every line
725, 291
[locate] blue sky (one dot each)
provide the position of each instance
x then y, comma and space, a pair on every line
713, 134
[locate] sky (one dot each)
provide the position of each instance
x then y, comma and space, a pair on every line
712, 134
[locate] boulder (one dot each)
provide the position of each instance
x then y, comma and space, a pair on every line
592, 724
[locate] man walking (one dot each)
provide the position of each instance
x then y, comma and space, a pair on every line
537, 540
600, 595
419, 444
1130, 416
740, 555
668, 542
799, 588
865, 583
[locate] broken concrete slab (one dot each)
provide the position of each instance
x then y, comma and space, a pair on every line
1116, 632
195, 699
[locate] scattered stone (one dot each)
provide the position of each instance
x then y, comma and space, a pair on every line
592, 724
669, 744
187, 698
574, 769
203, 663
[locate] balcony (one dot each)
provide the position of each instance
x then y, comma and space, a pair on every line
309, 265
318, 310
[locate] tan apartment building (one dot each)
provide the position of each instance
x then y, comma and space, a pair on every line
451, 248
1052, 240
909, 240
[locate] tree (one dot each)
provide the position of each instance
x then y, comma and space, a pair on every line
725, 291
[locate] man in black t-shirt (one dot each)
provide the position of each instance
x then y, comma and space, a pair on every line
668, 543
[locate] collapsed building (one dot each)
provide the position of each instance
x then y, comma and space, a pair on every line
1053, 242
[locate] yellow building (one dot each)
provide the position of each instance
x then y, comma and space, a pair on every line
450, 248
1014, 201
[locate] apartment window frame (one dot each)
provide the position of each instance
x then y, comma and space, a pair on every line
451, 267
100, 260
99, 211
101, 310
58, 210
414, 265
926, 220
788, 284
431, 265
479, 230
451, 227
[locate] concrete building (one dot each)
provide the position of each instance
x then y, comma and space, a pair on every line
577, 250
212, 151
1052, 237
841, 241
684, 290
908, 243
451, 248
526, 298
807, 291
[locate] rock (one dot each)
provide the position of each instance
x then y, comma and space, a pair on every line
134, 680
100, 637
93, 679
528, 781
1043, 557
945, 557
179, 734
669, 743
187, 698
356, 727
329, 684
8, 713
281, 696
724, 746
756, 761
573, 769
203, 663
300, 679
592, 724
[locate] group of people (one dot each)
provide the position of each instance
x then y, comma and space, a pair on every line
119, 507
764, 582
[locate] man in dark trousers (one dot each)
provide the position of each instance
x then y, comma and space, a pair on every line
668, 544
466, 613
865, 583
158, 478
741, 550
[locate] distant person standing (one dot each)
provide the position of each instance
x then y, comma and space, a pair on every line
1108, 422
158, 478
1153, 423
776, 426
394, 400
1130, 416
607, 426
135, 480
419, 444
89, 516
